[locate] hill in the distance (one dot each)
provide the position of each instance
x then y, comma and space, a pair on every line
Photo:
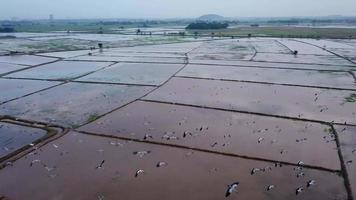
211, 17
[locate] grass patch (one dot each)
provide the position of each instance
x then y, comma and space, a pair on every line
92, 117
237, 47
351, 98
328, 130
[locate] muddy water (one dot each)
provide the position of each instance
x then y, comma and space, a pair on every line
60, 70
25, 59
219, 56
140, 54
269, 45
348, 53
303, 48
77, 171
303, 59
298, 102
269, 64
131, 59
347, 135
14, 137
282, 76
328, 43
6, 68
240, 134
12, 89
68, 54
72, 104
142, 73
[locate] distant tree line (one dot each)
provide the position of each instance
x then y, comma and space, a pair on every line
207, 25
312, 21
7, 30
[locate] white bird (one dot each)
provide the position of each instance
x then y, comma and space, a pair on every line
254, 171
299, 190
138, 172
231, 188
161, 164
300, 174
147, 136
270, 187
260, 140
310, 183
100, 165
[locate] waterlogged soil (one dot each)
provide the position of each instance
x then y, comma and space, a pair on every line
140, 54
134, 73
12, 89
281, 76
25, 60
269, 45
328, 44
220, 131
14, 137
302, 59
32, 43
130, 59
298, 102
347, 137
69, 54
224, 50
72, 104
303, 48
256, 132
7, 68
62, 70
270, 64
79, 166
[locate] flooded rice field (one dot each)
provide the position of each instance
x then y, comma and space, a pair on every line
258, 118
62, 70
51, 42
133, 73
28, 60
15, 137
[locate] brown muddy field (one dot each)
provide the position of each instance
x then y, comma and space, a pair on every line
217, 119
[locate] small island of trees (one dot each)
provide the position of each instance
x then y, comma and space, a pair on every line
207, 25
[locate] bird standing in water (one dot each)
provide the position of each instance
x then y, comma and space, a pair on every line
231, 188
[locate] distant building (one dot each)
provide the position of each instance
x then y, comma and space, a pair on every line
51, 18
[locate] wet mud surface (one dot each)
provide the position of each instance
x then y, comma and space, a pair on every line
298, 102
6, 68
108, 168
12, 89
25, 60
220, 131
135, 73
347, 137
130, 59
14, 137
62, 70
342, 80
210, 119
72, 104
302, 59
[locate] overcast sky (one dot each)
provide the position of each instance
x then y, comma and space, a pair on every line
64, 9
